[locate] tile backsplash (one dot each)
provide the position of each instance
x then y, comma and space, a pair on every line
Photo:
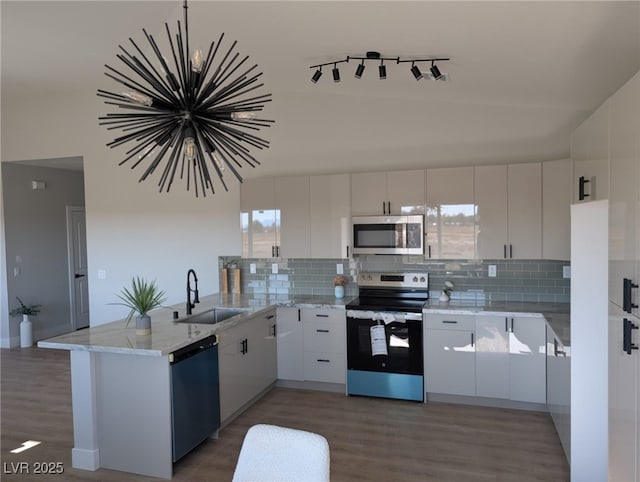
516, 280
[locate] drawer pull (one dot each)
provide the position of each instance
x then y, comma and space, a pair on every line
322, 316
323, 360
322, 331
449, 321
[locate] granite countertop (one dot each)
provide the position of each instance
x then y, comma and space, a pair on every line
556, 314
168, 335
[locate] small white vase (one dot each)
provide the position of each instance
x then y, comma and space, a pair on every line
444, 297
143, 325
26, 332
339, 291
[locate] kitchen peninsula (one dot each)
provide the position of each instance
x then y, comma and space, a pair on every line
121, 382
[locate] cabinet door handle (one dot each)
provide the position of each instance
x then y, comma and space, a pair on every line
504, 250
384, 208
273, 251
627, 342
299, 315
347, 250
506, 325
322, 331
270, 317
511, 325
322, 360
388, 207
627, 286
472, 340
277, 251
511, 251
449, 321
321, 315
244, 346
556, 351
273, 330
429, 251
581, 182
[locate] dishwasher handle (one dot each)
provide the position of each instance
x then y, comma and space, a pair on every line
193, 349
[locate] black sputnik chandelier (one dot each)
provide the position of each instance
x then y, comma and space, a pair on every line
189, 115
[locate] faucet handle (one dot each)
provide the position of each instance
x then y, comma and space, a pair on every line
196, 299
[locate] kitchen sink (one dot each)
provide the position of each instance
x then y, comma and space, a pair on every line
213, 316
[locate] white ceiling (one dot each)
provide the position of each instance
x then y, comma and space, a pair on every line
523, 75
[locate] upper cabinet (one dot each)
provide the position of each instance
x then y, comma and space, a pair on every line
556, 209
590, 155
450, 219
624, 195
330, 211
393, 192
275, 217
509, 211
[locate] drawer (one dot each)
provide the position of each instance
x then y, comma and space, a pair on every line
330, 315
325, 367
324, 337
450, 322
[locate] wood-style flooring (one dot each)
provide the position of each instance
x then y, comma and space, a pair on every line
370, 439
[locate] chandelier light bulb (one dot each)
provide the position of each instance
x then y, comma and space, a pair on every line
190, 150
138, 98
197, 60
218, 161
243, 116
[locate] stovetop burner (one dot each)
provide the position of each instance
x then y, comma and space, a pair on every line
406, 292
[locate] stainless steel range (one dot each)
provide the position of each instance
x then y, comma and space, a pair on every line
384, 336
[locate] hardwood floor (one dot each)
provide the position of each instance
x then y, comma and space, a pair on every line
370, 439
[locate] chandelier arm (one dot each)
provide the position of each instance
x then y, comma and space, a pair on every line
169, 171
216, 74
238, 90
221, 153
212, 99
182, 64
238, 93
242, 136
235, 85
201, 76
230, 147
210, 86
203, 170
132, 135
172, 98
232, 144
161, 59
154, 81
233, 68
254, 104
125, 81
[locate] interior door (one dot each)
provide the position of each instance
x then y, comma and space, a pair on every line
79, 283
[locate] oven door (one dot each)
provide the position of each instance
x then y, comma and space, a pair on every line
403, 340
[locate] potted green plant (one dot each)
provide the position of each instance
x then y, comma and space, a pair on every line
143, 297
26, 328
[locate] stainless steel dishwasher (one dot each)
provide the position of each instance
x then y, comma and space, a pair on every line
195, 396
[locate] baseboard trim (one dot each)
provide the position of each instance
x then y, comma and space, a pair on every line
308, 385
486, 402
85, 459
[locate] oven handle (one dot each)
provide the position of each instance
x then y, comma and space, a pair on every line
364, 315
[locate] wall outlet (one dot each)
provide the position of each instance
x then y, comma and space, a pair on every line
492, 271
339, 269
102, 274
252, 268
16, 271
566, 271
274, 268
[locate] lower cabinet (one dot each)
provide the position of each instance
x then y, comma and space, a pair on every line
559, 388
247, 362
312, 344
450, 354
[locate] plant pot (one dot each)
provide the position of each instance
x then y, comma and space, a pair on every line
444, 297
26, 332
143, 325
339, 291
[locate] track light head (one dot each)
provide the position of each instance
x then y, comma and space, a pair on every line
316, 75
435, 71
416, 71
359, 70
336, 73
383, 71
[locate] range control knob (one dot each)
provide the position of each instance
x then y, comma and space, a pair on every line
415, 279
369, 278
422, 280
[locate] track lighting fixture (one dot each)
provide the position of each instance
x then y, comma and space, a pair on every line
435, 71
316, 75
382, 68
415, 70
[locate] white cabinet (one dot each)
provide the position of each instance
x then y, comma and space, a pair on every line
450, 213
624, 195
556, 213
290, 349
324, 342
330, 210
590, 155
247, 362
393, 192
559, 388
508, 211
449, 354
275, 217
510, 358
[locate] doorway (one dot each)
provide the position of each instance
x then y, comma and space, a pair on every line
78, 279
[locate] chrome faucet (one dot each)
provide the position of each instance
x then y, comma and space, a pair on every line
196, 299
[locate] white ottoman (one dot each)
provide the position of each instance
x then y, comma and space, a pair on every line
277, 454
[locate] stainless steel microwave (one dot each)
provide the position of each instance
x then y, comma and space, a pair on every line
388, 234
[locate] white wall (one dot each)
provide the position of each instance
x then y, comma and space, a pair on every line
131, 228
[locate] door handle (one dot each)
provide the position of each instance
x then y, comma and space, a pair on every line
511, 325
429, 251
388, 207
627, 343
324, 360
627, 286
506, 325
79, 275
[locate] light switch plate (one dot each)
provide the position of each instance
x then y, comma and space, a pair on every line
566, 271
252, 268
492, 271
339, 268
102, 274
274, 268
